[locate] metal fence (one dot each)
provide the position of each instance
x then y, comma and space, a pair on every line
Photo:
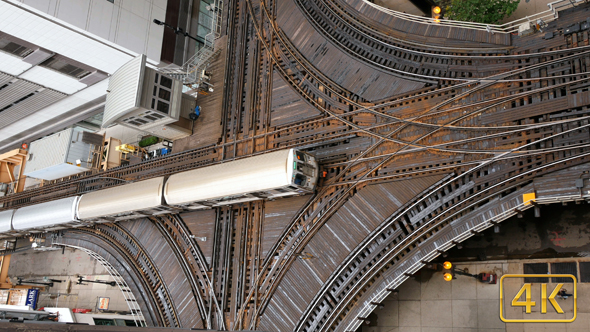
192, 70
545, 16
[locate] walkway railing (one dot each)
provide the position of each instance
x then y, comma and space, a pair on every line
412, 266
193, 69
545, 16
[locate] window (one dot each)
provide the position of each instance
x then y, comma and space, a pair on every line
126, 322
163, 107
300, 156
536, 268
165, 81
164, 94
14, 48
101, 321
564, 268
300, 180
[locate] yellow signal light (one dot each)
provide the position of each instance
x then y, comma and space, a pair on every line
436, 10
447, 265
448, 277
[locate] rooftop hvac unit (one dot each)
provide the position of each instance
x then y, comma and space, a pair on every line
62, 154
37, 56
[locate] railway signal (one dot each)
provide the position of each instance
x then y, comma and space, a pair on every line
449, 273
436, 12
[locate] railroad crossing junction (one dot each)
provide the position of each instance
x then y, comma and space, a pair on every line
429, 136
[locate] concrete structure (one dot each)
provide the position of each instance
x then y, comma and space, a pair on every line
54, 69
62, 57
428, 303
64, 266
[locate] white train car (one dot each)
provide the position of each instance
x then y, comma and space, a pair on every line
48, 216
6, 223
268, 176
276, 174
130, 201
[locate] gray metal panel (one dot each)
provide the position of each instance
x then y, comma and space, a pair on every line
59, 212
5, 78
92, 138
48, 151
16, 91
79, 150
6, 221
93, 77
38, 56
29, 106
125, 87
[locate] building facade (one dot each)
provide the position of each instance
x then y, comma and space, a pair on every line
56, 56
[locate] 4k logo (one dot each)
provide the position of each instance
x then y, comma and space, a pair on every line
528, 303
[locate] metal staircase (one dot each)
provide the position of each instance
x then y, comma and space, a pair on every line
191, 73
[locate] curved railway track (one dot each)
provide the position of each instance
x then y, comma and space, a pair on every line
436, 162
142, 266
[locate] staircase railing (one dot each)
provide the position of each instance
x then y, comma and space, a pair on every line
192, 70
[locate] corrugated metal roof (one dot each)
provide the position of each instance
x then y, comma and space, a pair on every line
16, 91
48, 151
29, 106
5, 78
124, 90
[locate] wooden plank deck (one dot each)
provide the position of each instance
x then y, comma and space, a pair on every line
208, 128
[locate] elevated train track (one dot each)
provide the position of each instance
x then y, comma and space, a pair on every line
409, 174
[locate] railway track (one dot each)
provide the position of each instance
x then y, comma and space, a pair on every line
142, 265
189, 160
404, 171
294, 249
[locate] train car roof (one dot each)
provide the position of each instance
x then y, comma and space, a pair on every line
6, 221
259, 173
56, 212
130, 197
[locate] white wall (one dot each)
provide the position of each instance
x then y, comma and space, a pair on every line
98, 33
127, 23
